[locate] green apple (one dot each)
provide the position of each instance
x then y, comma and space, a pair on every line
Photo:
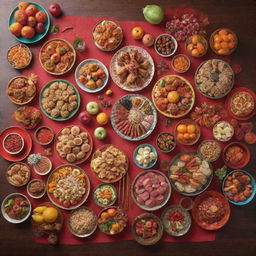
92, 108
100, 133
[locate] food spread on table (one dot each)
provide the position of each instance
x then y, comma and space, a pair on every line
133, 117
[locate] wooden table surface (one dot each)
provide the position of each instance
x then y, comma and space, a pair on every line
238, 237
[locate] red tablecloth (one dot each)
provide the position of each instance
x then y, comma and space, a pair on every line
83, 27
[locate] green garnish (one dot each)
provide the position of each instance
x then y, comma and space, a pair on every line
105, 227
221, 172
185, 170
79, 43
168, 122
25, 210
162, 83
9, 203
55, 29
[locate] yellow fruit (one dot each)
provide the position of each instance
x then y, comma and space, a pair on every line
115, 227
195, 39
195, 53
38, 218
104, 215
102, 118
186, 136
39, 209
108, 92
192, 135
191, 128
190, 47
182, 128
50, 214
173, 97
180, 136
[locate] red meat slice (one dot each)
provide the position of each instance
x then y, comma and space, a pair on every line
145, 196
150, 203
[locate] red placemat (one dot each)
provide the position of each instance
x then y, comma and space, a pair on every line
83, 26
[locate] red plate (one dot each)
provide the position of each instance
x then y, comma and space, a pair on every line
216, 225
228, 99
246, 157
27, 144
63, 160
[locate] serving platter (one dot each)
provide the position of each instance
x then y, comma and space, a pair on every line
120, 114
37, 36
55, 200
114, 66
59, 118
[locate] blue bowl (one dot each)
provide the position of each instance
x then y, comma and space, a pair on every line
136, 152
37, 36
249, 199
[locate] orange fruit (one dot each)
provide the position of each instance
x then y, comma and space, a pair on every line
231, 45
195, 53
217, 46
195, 39
104, 215
224, 45
21, 17
186, 136
223, 51
182, 128
137, 33
200, 47
31, 10
192, 136
111, 212
223, 32
173, 97
224, 38
217, 38
102, 118
231, 37
23, 5
190, 47
191, 128
27, 32
180, 136
15, 28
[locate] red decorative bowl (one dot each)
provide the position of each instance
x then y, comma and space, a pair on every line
245, 159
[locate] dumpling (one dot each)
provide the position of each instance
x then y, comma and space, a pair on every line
71, 157
75, 130
80, 155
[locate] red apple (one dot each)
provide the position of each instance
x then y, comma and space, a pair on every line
31, 21
148, 40
39, 28
55, 10
84, 118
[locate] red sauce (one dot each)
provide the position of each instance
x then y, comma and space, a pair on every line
44, 135
13, 143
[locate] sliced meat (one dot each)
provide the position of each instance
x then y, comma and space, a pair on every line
161, 178
149, 188
139, 190
150, 203
145, 196
154, 193
146, 182
161, 190
139, 199
160, 198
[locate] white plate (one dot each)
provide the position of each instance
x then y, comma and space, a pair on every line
82, 86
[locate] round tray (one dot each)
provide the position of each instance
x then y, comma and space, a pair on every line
167, 193
116, 79
12, 100
152, 240
102, 148
64, 161
59, 118
71, 47
228, 101
27, 144
226, 93
84, 87
204, 187
85, 196
37, 36
216, 225
150, 130
190, 86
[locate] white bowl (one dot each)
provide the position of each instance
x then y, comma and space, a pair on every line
22, 145
82, 86
175, 45
45, 173
36, 197
5, 215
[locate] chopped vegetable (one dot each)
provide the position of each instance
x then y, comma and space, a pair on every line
54, 29
221, 172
